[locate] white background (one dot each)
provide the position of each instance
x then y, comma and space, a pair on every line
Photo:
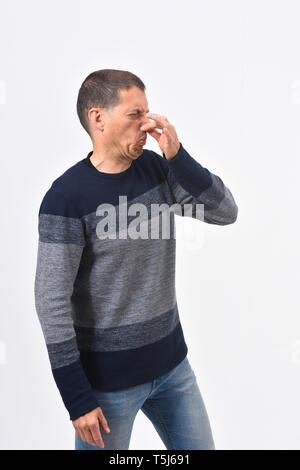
227, 76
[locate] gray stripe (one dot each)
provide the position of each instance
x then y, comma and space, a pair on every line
60, 229
64, 353
128, 336
226, 213
133, 281
219, 205
57, 266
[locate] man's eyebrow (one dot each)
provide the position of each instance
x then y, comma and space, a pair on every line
137, 109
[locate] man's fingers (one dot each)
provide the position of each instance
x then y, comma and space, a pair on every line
102, 420
80, 434
96, 435
88, 437
85, 435
90, 434
88, 429
162, 121
155, 134
151, 129
150, 125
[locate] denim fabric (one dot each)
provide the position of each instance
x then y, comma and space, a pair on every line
172, 402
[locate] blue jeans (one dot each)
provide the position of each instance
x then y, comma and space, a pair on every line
173, 404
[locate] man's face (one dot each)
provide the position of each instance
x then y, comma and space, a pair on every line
121, 127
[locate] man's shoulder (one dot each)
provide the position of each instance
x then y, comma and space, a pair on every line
64, 191
68, 181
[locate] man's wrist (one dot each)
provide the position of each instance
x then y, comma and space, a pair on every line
176, 154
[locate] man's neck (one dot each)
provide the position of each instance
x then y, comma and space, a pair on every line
108, 165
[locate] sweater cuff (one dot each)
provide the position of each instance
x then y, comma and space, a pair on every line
192, 176
75, 390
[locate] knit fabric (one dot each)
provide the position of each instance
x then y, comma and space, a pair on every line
107, 306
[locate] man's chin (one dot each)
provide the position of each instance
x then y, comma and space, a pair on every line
138, 149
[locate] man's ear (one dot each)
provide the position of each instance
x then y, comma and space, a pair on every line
96, 118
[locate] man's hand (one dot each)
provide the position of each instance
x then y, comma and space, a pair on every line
87, 427
167, 139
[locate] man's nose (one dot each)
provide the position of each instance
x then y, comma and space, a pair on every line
146, 120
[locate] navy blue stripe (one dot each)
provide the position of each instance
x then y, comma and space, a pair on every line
98, 190
126, 336
188, 172
75, 390
109, 371
55, 203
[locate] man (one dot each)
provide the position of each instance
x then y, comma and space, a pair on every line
104, 290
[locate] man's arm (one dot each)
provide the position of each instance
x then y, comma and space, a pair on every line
60, 245
191, 183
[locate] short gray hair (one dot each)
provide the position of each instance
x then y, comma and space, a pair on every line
102, 89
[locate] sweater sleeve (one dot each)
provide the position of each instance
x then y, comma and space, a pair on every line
60, 246
191, 183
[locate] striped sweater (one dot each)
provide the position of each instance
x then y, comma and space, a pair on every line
105, 294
